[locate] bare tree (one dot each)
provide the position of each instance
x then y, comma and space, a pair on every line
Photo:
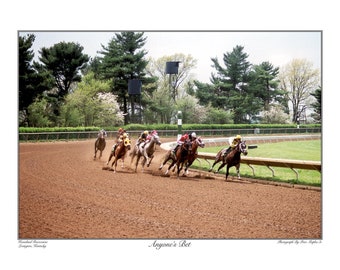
299, 79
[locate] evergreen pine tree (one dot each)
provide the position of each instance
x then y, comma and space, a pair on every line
124, 59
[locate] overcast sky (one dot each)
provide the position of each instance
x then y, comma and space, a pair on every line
277, 47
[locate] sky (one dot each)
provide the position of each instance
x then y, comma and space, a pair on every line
276, 47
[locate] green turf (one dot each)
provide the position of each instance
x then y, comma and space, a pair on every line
300, 150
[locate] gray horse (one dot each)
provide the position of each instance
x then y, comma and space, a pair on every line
146, 150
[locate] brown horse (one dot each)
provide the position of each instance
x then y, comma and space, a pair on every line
119, 152
185, 155
99, 144
233, 158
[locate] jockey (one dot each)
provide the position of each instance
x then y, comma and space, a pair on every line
149, 136
102, 133
233, 143
185, 138
120, 132
142, 137
119, 140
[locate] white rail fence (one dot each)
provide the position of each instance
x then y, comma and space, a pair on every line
267, 162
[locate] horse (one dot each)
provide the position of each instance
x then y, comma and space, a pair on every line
99, 145
146, 150
185, 155
119, 153
231, 159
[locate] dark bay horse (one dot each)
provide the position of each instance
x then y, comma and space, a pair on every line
146, 150
232, 159
185, 156
120, 152
100, 144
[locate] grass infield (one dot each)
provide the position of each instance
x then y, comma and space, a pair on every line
298, 150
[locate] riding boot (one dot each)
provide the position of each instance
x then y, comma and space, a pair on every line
173, 152
227, 152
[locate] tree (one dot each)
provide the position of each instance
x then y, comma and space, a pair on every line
124, 59
31, 82
39, 112
275, 115
91, 103
162, 102
65, 61
264, 82
230, 88
317, 105
298, 79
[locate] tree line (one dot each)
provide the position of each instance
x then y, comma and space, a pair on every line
68, 88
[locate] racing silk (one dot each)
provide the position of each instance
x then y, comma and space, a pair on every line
148, 138
233, 142
183, 139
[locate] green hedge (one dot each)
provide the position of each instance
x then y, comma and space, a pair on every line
56, 129
214, 126
164, 127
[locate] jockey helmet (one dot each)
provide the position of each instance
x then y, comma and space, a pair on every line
193, 135
238, 137
146, 132
120, 130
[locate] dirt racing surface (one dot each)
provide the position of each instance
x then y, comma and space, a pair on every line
65, 194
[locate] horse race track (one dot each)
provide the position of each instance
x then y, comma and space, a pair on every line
64, 193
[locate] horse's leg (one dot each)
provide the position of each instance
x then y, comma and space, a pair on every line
188, 165
133, 154
165, 161
238, 171
107, 163
95, 150
115, 162
137, 160
221, 166
122, 162
146, 159
211, 168
170, 166
151, 158
103, 148
143, 163
227, 172
179, 167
